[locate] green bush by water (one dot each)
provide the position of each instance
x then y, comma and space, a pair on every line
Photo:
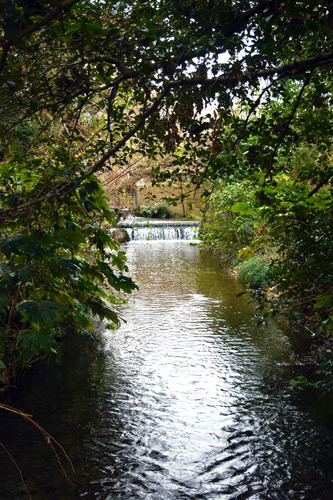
254, 273
160, 210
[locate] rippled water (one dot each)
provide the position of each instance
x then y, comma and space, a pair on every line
189, 399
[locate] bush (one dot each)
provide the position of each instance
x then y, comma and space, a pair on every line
231, 221
160, 210
55, 275
254, 273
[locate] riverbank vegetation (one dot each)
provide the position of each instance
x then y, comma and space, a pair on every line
237, 93
282, 226
275, 229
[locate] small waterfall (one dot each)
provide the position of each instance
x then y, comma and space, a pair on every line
160, 229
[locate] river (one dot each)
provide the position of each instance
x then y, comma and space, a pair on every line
188, 399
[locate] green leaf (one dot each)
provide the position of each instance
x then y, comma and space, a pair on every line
69, 267
104, 310
323, 300
246, 253
44, 313
19, 244
118, 281
6, 272
36, 340
88, 205
242, 208
88, 334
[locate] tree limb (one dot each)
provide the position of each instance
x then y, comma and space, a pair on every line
65, 5
320, 185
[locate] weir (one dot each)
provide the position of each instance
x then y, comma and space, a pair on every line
160, 229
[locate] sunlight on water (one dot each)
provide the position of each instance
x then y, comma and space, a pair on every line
187, 399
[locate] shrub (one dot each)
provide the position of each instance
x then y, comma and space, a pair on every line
254, 273
160, 210
231, 221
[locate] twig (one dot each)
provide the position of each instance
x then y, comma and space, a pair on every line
18, 468
49, 439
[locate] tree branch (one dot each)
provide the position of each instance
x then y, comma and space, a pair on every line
64, 189
233, 78
67, 4
287, 125
320, 185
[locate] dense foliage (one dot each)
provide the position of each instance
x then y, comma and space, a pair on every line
284, 216
159, 210
86, 85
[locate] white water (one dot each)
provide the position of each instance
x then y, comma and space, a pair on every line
161, 230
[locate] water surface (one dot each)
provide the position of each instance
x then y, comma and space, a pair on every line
189, 399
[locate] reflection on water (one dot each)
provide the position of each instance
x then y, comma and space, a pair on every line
188, 399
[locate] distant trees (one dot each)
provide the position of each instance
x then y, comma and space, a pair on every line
141, 74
